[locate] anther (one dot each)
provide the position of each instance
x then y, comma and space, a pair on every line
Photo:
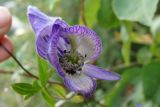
65, 51
79, 69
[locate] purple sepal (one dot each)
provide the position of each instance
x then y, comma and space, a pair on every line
87, 40
42, 26
80, 83
38, 19
99, 73
52, 49
42, 40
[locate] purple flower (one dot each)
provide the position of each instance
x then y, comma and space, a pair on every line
69, 49
138, 105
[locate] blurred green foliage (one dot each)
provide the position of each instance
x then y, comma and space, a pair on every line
130, 33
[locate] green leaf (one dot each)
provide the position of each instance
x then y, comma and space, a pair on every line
59, 91
91, 9
106, 17
157, 95
28, 96
151, 79
155, 49
43, 70
77, 99
36, 85
49, 99
135, 10
144, 55
24, 88
117, 96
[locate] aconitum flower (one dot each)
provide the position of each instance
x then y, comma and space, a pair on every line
70, 49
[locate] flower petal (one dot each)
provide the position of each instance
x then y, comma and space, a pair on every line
88, 41
43, 39
53, 50
42, 26
63, 44
38, 19
96, 72
80, 83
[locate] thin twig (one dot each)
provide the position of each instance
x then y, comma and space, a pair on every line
30, 74
26, 71
55, 82
82, 12
11, 72
68, 97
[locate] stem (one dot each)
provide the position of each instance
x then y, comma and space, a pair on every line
55, 82
26, 71
69, 96
30, 74
126, 30
82, 12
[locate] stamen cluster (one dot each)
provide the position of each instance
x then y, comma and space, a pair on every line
71, 62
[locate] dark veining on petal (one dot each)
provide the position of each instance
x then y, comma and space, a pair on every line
82, 31
46, 38
66, 40
71, 30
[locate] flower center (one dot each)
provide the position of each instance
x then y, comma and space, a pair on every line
72, 62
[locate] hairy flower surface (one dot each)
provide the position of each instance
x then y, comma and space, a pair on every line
69, 49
